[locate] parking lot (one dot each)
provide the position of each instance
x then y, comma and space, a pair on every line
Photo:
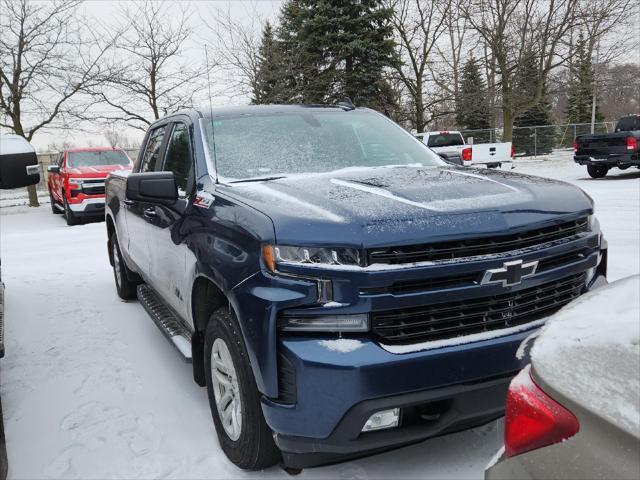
91, 390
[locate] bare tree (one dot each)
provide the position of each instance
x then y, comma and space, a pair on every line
418, 25
235, 42
151, 75
610, 24
514, 30
115, 137
45, 64
452, 51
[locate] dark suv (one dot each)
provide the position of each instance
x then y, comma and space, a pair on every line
339, 289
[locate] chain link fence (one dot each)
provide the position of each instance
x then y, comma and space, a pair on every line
539, 140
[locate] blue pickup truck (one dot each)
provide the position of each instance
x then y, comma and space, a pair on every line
339, 289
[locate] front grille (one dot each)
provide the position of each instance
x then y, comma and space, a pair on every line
477, 246
453, 319
470, 279
93, 187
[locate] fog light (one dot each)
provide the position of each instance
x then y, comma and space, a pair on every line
382, 419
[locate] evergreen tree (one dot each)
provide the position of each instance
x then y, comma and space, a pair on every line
336, 48
532, 140
268, 78
472, 107
581, 85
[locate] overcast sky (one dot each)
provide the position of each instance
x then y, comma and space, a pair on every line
106, 14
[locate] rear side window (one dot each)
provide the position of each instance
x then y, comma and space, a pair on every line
445, 140
628, 124
178, 156
152, 150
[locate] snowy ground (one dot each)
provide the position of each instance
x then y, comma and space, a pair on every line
91, 389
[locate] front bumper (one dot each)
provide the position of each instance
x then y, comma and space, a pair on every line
425, 414
622, 160
87, 206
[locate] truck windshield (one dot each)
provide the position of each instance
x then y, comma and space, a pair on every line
97, 158
445, 140
264, 145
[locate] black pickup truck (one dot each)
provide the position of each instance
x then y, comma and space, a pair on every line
608, 150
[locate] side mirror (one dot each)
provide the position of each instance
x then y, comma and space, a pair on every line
157, 187
18, 162
53, 169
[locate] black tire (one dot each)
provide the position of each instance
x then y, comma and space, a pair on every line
69, 215
597, 171
54, 210
254, 448
126, 288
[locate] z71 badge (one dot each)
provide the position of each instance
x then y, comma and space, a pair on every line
203, 200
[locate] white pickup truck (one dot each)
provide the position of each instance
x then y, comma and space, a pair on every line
450, 145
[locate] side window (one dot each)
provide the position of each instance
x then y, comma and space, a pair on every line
60, 160
152, 150
178, 157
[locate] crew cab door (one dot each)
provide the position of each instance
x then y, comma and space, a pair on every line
139, 213
167, 248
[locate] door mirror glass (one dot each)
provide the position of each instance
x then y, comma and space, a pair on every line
18, 162
154, 187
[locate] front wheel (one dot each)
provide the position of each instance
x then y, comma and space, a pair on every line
54, 209
234, 397
69, 216
597, 171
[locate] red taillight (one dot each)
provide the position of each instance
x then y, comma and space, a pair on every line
513, 151
575, 145
466, 154
632, 143
533, 419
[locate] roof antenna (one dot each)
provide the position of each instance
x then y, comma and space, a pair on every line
213, 137
346, 103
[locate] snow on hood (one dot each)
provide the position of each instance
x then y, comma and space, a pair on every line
590, 352
370, 203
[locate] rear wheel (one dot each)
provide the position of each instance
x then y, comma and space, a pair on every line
69, 216
597, 171
125, 287
234, 397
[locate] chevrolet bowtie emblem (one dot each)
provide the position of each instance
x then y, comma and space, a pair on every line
511, 273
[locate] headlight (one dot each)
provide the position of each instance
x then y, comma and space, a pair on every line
288, 255
75, 181
325, 323
594, 225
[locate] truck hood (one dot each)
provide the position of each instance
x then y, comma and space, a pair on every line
380, 206
97, 171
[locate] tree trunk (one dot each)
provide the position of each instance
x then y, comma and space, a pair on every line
507, 115
33, 196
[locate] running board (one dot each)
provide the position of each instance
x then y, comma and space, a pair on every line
166, 321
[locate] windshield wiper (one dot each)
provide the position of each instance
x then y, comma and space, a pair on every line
258, 179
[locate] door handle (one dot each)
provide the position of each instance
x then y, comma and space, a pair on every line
150, 213
126, 201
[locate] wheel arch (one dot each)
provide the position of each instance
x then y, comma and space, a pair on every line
206, 298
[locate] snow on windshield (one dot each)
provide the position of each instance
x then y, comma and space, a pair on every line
309, 142
97, 158
590, 352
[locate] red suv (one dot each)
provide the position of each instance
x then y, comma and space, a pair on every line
76, 180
